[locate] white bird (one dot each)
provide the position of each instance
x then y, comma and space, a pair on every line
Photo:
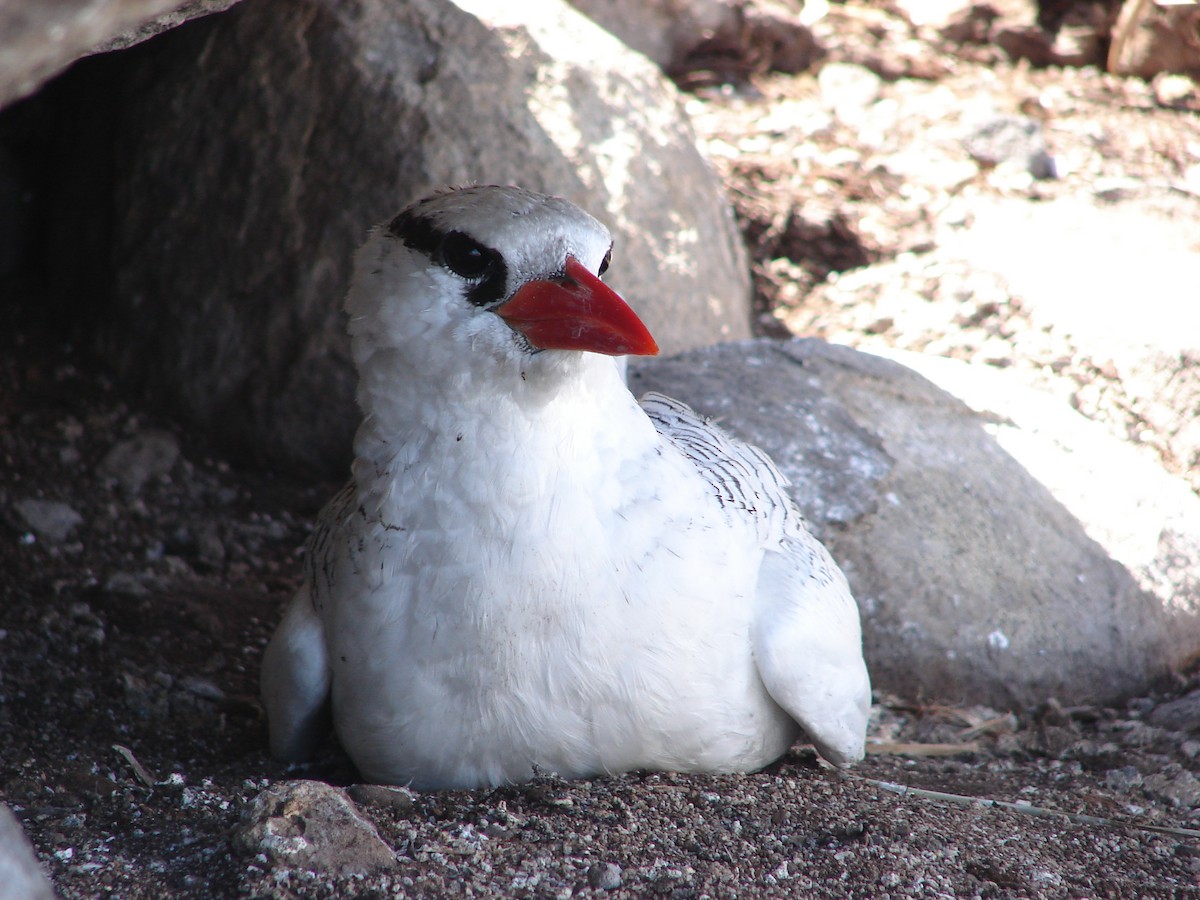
531, 570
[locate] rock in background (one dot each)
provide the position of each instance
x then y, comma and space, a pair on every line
248, 153
1003, 551
1043, 220
20, 874
710, 41
39, 40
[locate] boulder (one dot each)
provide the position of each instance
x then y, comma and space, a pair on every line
39, 40
1003, 550
1151, 37
251, 152
20, 874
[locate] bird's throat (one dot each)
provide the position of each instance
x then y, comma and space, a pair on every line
510, 446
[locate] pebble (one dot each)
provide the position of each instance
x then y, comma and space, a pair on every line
1123, 780
311, 825
1011, 139
605, 876
208, 543
202, 688
849, 89
397, 799
1182, 714
1174, 90
1175, 786
50, 520
137, 460
126, 583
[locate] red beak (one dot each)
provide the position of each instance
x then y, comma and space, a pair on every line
577, 311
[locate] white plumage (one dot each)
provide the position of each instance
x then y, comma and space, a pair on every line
530, 569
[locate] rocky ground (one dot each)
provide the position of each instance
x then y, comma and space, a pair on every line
861, 190
142, 575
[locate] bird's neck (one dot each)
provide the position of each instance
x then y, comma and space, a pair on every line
548, 414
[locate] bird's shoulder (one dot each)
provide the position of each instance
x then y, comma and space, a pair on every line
328, 545
742, 478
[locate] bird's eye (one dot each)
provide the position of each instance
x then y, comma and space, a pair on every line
604, 262
467, 258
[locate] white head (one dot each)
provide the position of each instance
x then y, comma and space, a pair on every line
494, 280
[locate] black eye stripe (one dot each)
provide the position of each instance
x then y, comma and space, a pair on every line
458, 253
416, 232
466, 257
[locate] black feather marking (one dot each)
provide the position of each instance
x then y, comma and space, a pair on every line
741, 477
480, 266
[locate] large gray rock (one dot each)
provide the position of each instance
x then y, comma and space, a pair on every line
39, 40
1002, 552
21, 878
254, 149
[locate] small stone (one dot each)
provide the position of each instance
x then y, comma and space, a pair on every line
397, 799
142, 698
1175, 786
1123, 780
1114, 189
1174, 90
51, 520
202, 688
849, 90
934, 13
604, 876
1139, 706
126, 583
1178, 715
137, 460
209, 546
311, 825
1011, 139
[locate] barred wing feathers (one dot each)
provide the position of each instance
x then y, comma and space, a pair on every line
806, 636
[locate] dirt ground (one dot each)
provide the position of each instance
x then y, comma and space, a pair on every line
132, 619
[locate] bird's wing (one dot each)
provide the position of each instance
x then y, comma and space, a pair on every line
806, 637
741, 477
807, 643
295, 681
295, 671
